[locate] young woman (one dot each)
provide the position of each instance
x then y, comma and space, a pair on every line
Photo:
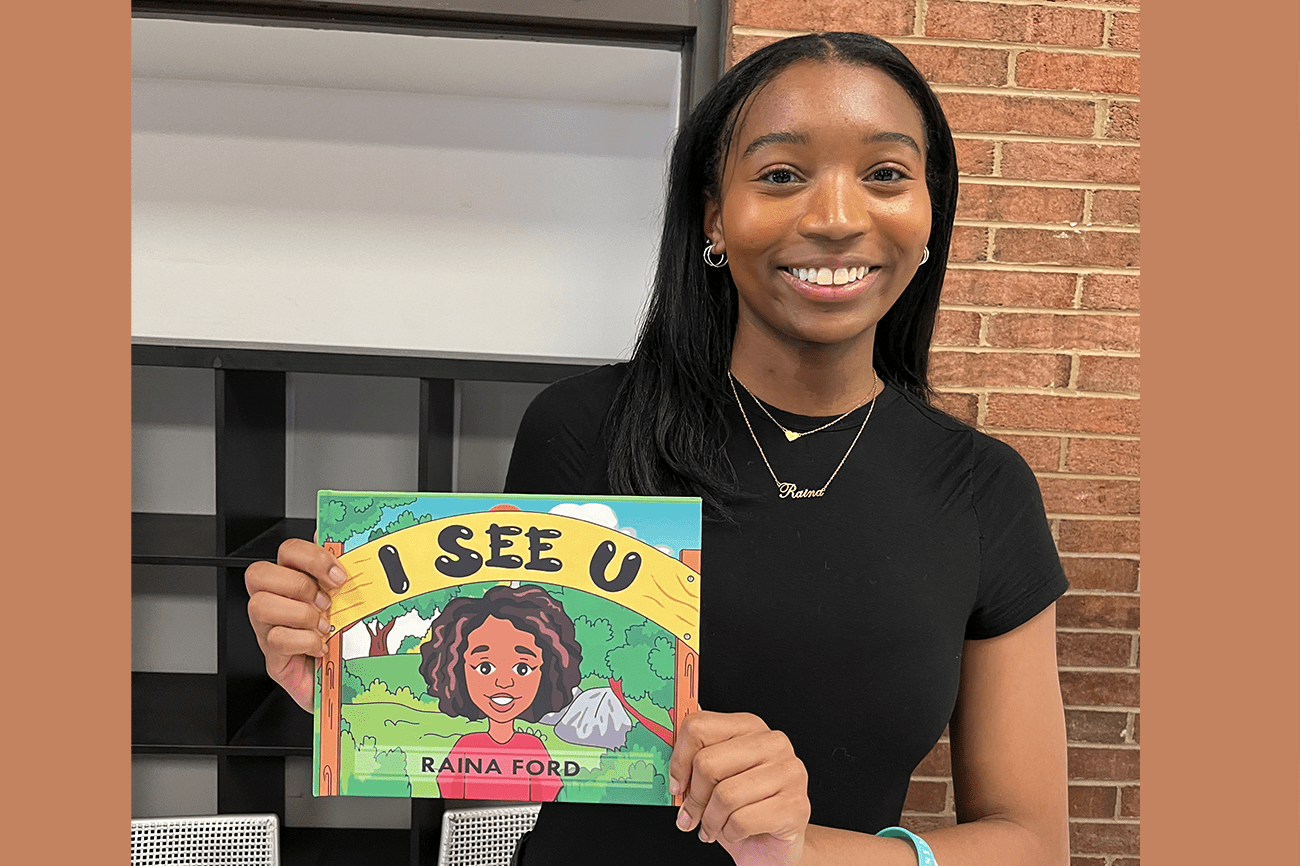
877, 571
511, 654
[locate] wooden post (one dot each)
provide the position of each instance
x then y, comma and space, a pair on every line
331, 713
686, 696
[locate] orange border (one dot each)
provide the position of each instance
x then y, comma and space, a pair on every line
66, 359
1221, 659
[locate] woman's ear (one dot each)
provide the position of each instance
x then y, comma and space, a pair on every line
713, 224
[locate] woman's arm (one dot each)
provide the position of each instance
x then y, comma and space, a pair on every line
1009, 773
1008, 763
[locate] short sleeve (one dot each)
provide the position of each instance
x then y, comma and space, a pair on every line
558, 447
1020, 571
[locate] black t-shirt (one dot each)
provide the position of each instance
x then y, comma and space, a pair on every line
839, 620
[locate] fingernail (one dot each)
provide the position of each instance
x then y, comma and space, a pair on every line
704, 837
323, 626
322, 600
337, 576
683, 820
674, 786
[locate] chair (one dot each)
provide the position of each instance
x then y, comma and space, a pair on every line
485, 836
217, 840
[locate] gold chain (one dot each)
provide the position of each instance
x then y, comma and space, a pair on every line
792, 435
787, 489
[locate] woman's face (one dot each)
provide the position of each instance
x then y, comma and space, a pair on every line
502, 669
824, 211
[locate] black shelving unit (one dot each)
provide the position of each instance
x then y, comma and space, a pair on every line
237, 715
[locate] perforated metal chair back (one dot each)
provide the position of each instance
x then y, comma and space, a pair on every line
217, 840
483, 837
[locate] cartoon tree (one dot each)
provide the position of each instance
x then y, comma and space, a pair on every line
379, 625
361, 516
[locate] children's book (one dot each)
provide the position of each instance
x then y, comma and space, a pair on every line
506, 647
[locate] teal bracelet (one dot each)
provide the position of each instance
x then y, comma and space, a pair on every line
924, 856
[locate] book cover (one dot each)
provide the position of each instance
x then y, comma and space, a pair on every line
507, 647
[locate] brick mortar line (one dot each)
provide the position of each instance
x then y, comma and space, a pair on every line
1123, 437
1125, 821
957, 42
1067, 227
1105, 783
1077, 4
918, 17
1103, 518
1107, 21
1030, 138
1086, 186
1062, 311
1039, 267
1119, 437
1042, 392
1129, 632
1078, 476
1013, 47
1097, 669
1036, 92
1108, 592
993, 350
1122, 747
903, 40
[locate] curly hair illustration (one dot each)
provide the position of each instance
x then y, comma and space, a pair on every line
529, 608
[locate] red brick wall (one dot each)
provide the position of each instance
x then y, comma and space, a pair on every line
1038, 340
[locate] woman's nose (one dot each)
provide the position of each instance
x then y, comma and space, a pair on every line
838, 209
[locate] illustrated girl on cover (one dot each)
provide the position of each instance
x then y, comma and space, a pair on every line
509, 655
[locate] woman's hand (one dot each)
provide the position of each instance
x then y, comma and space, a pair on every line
744, 787
287, 601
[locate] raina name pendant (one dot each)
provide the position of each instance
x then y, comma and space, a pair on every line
788, 489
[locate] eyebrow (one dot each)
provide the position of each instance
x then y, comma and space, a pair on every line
478, 649
801, 138
900, 137
774, 138
525, 651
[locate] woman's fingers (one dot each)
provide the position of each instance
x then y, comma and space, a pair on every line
301, 555
770, 798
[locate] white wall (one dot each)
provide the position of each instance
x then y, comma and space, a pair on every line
353, 189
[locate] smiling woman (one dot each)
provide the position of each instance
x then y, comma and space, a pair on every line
876, 571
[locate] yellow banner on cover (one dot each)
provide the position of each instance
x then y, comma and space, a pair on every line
523, 546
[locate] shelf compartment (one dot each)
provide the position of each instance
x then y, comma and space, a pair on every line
174, 539
266, 545
174, 713
278, 726
309, 846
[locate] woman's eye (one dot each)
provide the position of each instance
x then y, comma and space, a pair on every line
886, 175
522, 669
484, 668
779, 176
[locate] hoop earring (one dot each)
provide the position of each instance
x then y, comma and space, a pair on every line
925, 256
708, 253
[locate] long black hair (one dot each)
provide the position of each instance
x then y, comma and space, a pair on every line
666, 427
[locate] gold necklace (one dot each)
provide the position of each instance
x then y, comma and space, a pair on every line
787, 489
792, 435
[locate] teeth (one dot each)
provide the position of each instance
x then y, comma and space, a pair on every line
501, 700
827, 277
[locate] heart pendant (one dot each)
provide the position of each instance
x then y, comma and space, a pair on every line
792, 435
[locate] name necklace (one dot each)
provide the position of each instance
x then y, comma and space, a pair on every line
787, 489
